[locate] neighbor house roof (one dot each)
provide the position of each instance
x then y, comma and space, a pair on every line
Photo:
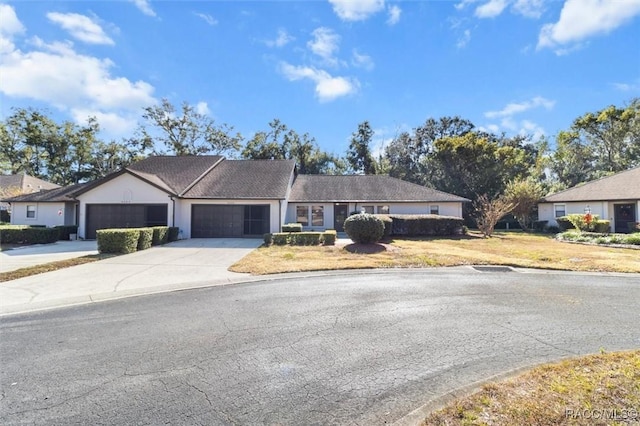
48, 196
621, 186
367, 188
245, 179
25, 183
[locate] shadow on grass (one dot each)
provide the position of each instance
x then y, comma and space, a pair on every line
365, 248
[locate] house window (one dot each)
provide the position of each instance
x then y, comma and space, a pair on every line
302, 215
383, 209
434, 209
368, 209
560, 210
31, 212
317, 216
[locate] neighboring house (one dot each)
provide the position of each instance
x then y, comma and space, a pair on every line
51, 207
209, 196
615, 198
12, 185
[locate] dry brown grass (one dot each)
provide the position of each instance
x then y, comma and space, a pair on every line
52, 266
504, 248
586, 391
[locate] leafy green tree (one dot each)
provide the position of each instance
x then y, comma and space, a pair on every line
185, 131
359, 157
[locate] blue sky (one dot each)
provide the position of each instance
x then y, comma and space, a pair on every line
322, 67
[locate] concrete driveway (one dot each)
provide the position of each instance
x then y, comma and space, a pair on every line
22, 257
185, 263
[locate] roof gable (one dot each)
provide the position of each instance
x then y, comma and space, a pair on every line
25, 183
364, 188
621, 186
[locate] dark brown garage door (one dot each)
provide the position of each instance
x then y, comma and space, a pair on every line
103, 216
209, 221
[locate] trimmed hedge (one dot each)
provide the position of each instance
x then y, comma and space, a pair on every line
299, 238
329, 237
145, 238
292, 227
173, 234
12, 234
564, 223
428, 224
123, 240
388, 224
160, 235
364, 228
65, 230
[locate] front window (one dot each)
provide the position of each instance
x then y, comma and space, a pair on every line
560, 210
383, 209
302, 215
317, 216
368, 209
434, 209
31, 212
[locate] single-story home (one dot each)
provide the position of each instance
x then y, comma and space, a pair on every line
210, 196
615, 198
12, 185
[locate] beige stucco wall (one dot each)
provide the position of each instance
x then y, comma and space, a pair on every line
604, 209
48, 214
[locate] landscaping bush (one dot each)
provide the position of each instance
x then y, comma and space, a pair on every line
601, 226
540, 225
633, 239
292, 227
428, 224
145, 238
633, 226
305, 238
160, 235
123, 240
268, 239
564, 224
388, 224
329, 237
364, 228
173, 234
65, 230
599, 238
280, 238
28, 235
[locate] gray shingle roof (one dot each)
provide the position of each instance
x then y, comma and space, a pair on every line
357, 188
25, 182
48, 196
621, 186
245, 179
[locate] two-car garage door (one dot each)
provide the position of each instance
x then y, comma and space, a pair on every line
210, 221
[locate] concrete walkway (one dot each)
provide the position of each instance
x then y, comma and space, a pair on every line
182, 264
22, 257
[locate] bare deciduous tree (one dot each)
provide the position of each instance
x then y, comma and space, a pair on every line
490, 211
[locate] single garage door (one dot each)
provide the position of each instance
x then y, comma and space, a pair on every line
103, 216
211, 221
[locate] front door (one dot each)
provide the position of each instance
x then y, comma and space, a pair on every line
340, 214
623, 214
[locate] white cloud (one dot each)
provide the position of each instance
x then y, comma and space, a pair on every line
281, 40
530, 128
517, 108
394, 15
464, 39
207, 18
361, 60
115, 124
324, 44
202, 108
581, 19
144, 6
54, 73
529, 8
627, 87
356, 10
491, 9
81, 27
10, 26
328, 88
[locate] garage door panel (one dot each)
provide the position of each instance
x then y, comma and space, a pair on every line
105, 216
211, 221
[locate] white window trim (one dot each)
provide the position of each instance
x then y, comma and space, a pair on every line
437, 207
321, 208
555, 210
35, 212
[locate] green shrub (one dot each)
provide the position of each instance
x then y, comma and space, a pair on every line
540, 225
11, 234
428, 224
65, 230
633, 239
145, 238
123, 240
564, 224
388, 224
296, 238
292, 227
601, 226
268, 239
173, 234
329, 237
280, 238
633, 226
160, 235
364, 228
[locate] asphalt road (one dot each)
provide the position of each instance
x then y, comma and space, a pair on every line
353, 349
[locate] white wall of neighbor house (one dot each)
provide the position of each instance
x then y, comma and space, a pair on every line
48, 214
124, 189
443, 209
183, 212
549, 211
